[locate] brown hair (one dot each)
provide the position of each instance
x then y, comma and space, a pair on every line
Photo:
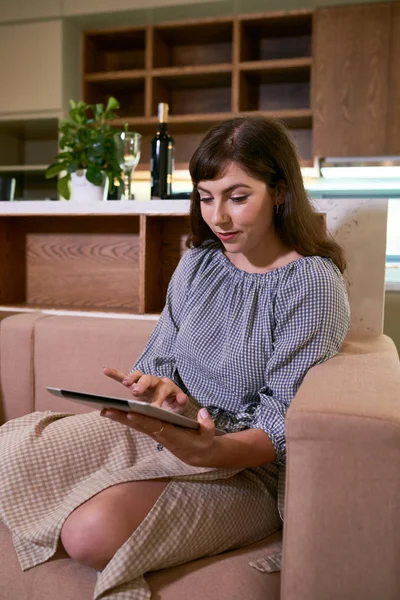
263, 148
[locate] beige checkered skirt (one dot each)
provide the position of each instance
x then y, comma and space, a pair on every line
50, 463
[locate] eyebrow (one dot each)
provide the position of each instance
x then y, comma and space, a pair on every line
228, 189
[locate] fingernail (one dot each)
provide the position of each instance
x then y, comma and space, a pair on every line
126, 380
204, 413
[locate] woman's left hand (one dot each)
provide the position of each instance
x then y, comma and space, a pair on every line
196, 448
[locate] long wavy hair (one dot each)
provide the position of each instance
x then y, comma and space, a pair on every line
264, 149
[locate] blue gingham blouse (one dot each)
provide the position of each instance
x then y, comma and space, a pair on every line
241, 343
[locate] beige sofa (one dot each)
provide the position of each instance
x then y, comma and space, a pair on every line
341, 536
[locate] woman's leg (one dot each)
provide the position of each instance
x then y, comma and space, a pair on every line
95, 530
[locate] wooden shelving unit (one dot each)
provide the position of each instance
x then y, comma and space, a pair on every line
118, 257
99, 260
207, 70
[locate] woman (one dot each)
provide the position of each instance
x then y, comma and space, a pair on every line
256, 301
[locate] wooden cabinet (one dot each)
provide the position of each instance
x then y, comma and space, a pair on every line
356, 90
207, 70
22, 10
392, 144
109, 261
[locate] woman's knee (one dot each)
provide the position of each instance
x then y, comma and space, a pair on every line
95, 530
84, 537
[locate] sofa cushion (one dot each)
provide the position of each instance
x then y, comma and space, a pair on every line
222, 577
70, 352
227, 575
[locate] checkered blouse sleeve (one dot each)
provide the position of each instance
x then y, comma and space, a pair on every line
312, 318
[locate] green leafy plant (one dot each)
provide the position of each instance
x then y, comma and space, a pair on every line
87, 142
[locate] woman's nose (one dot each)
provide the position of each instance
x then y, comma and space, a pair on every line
220, 215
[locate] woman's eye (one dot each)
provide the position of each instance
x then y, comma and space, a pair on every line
239, 198
205, 199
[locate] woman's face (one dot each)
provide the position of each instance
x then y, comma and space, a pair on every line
240, 211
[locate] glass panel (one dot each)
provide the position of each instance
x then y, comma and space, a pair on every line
393, 242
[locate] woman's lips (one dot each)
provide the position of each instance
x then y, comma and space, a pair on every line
226, 237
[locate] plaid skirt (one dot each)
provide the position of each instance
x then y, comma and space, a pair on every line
50, 463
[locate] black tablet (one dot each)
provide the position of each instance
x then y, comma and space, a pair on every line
143, 408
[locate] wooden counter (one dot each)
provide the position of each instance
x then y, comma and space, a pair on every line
112, 256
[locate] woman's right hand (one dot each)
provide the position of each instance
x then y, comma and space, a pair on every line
160, 391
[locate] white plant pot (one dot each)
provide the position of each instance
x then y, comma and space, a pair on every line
84, 191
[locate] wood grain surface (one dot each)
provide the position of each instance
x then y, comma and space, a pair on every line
12, 262
173, 247
392, 142
150, 293
162, 247
85, 263
189, 101
350, 80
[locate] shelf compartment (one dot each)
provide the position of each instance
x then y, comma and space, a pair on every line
128, 91
77, 263
27, 147
28, 142
191, 44
186, 130
194, 93
274, 36
163, 240
189, 130
270, 90
299, 122
31, 184
185, 145
114, 50
303, 140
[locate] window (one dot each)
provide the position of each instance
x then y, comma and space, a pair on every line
393, 242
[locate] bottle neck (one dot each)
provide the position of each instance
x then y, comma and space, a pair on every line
163, 127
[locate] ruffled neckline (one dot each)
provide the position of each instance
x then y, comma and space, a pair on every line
273, 273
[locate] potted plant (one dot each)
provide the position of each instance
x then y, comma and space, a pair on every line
88, 152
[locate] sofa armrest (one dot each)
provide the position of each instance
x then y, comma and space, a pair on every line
341, 534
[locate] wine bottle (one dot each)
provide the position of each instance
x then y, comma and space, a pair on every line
162, 157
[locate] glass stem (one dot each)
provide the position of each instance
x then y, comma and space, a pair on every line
127, 184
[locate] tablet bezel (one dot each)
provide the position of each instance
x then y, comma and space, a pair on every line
127, 405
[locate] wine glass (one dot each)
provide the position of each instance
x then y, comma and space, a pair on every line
128, 146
